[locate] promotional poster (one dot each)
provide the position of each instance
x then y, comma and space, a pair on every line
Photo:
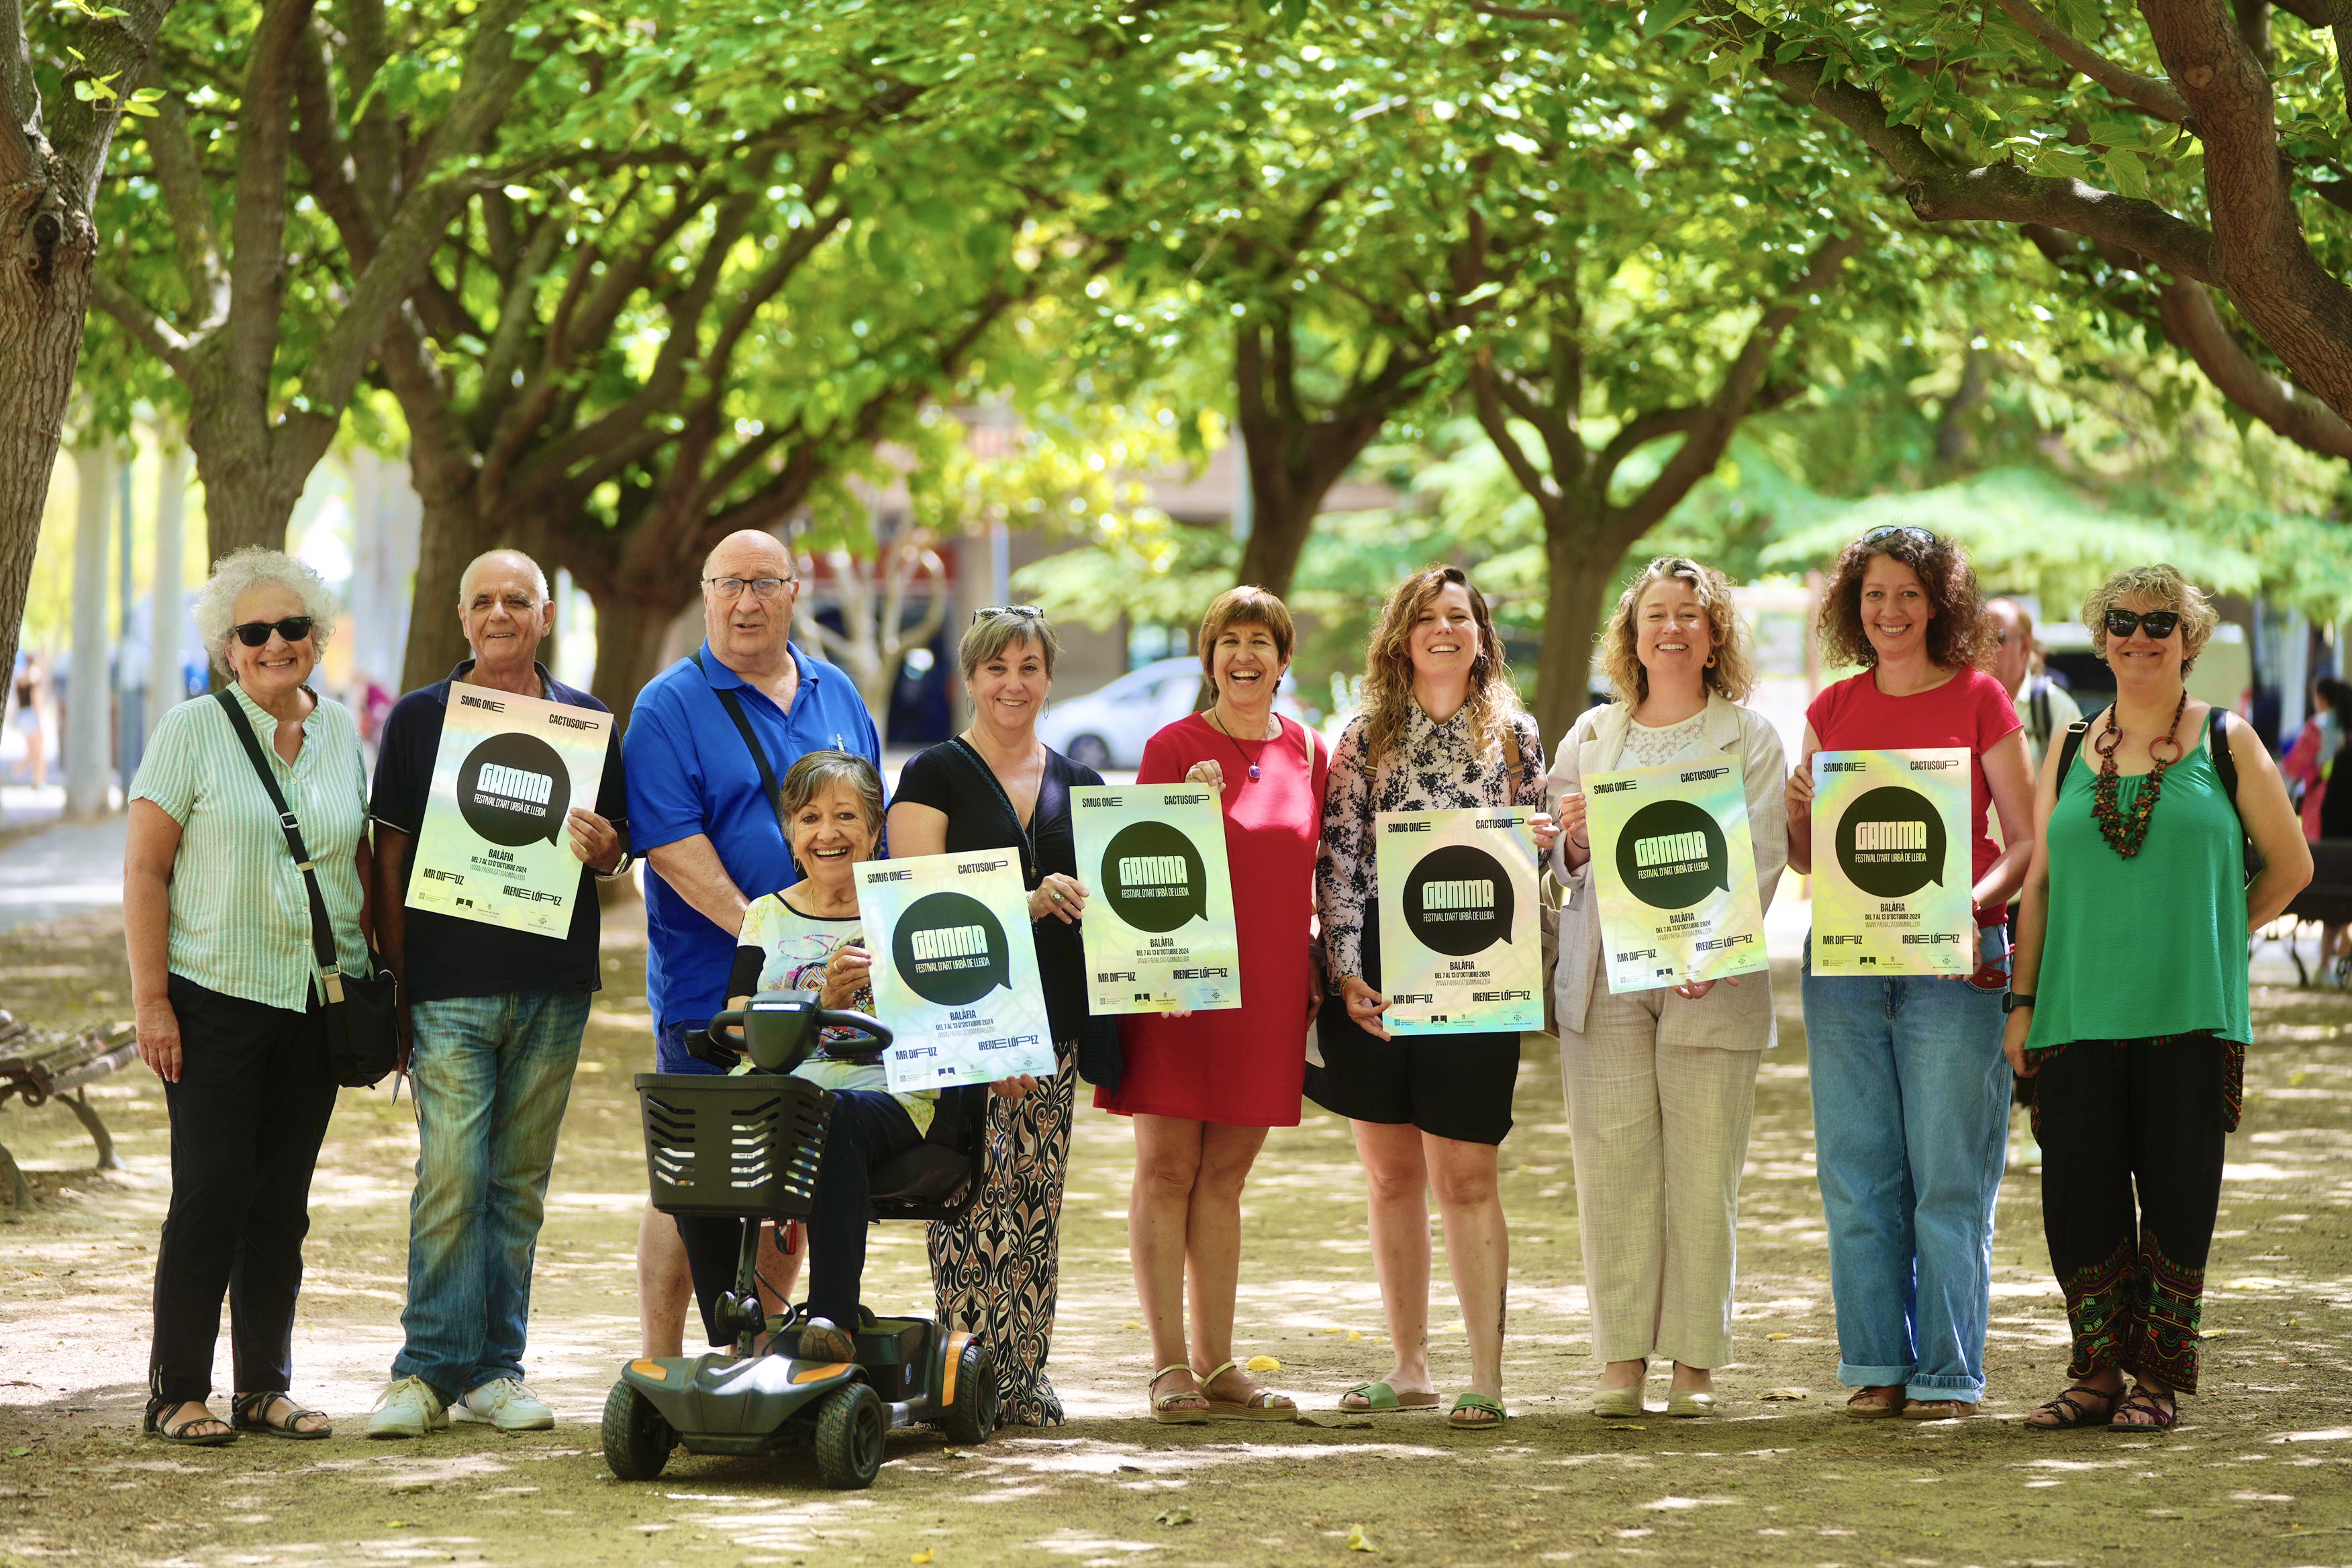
492, 847
1461, 953
1158, 930
955, 969
1675, 871
1892, 878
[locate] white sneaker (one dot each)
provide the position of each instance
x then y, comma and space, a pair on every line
507, 1404
408, 1408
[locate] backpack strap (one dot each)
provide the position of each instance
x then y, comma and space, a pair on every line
2068, 747
732, 701
2217, 744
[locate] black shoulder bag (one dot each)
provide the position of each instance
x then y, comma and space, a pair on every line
361, 1016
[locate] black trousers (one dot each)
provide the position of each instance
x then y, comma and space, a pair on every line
2132, 1135
248, 1116
868, 1127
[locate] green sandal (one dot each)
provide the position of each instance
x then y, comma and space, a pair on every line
1380, 1399
1462, 1401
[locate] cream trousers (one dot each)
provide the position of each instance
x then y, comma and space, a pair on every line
1661, 1133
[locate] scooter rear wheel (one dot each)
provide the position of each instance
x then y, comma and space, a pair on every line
637, 1441
850, 1427
973, 1416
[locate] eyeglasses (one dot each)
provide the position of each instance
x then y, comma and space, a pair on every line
1030, 610
253, 633
732, 587
1889, 531
2159, 623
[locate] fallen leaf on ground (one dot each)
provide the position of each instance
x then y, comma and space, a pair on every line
18, 1453
1627, 1426
1358, 1541
1135, 1325
925, 1555
400, 1524
1353, 1335
1787, 1394
961, 1454
1263, 1363
415, 1484
1776, 1336
1181, 1514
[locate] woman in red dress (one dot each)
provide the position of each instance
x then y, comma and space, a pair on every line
1203, 1087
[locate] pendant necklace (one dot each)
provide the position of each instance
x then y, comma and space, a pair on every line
1245, 757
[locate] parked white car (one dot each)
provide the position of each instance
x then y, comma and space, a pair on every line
1107, 728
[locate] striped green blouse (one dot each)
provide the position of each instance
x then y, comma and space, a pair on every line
240, 918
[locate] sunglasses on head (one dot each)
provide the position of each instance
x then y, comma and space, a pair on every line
1031, 611
253, 633
2159, 623
1890, 530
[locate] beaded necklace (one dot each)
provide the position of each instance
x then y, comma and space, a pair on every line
2126, 835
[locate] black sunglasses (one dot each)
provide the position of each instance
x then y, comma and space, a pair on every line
2159, 623
253, 633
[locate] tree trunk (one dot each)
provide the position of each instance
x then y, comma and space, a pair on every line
445, 542
245, 503
1277, 538
46, 248
1583, 565
630, 632
90, 754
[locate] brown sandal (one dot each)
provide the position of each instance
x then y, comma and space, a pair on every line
1164, 1407
2144, 1400
1863, 1407
2072, 1412
1263, 1404
1937, 1409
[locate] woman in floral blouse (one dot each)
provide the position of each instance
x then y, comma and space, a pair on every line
1441, 729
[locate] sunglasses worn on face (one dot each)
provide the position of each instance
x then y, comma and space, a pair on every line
253, 633
2159, 623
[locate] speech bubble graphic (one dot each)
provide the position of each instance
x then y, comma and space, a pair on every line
1891, 842
950, 949
1671, 853
513, 790
1459, 901
1153, 878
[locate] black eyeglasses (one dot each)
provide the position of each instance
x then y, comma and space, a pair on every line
1030, 610
2159, 623
763, 587
253, 633
1888, 531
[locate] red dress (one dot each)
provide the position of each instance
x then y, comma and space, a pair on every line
1240, 1067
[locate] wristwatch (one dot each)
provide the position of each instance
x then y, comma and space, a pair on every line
2010, 1000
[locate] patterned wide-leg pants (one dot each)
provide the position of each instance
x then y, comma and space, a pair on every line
996, 1270
2133, 1134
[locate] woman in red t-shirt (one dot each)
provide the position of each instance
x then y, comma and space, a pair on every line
1203, 1087
1910, 1088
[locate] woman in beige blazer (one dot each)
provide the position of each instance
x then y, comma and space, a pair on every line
1662, 1083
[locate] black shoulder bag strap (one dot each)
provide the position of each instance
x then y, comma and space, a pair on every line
733, 703
322, 931
2225, 765
2072, 744
1033, 872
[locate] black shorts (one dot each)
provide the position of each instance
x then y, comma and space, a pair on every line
1449, 1086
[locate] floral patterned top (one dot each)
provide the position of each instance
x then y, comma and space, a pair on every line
1437, 768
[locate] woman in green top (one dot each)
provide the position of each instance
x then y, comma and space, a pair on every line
809, 937
2137, 1046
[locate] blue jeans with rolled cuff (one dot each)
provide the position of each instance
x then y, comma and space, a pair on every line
492, 1076
1911, 1098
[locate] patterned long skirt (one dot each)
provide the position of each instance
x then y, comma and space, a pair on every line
2132, 1135
997, 1269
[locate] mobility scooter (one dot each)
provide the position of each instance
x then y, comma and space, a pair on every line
746, 1146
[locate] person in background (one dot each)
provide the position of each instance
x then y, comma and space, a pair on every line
1441, 728
998, 787
808, 938
2136, 1047
1203, 1087
1662, 1083
495, 1018
703, 815
1910, 1093
225, 985
29, 694
2308, 762
2044, 706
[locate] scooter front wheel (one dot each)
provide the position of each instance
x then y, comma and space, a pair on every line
851, 1425
637, 1441
972, 1416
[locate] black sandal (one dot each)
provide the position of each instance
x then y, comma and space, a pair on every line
2073, 1413
177, 1431
2161, 1405
250, 1413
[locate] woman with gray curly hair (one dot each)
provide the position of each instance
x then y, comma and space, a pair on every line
2136, 1047
217, 919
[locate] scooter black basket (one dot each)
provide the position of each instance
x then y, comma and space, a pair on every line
743, 1147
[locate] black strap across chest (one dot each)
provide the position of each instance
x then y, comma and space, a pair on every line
1052, 799
2217, 748
730, 698
322, 931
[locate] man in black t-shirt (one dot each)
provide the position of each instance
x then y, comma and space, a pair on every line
496, 1018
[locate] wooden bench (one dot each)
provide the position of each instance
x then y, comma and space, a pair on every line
35, 1067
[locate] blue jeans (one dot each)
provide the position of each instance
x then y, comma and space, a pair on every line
492, 1075
1910, 1129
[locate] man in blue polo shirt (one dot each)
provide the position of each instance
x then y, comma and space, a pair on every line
704, 817
495, 1017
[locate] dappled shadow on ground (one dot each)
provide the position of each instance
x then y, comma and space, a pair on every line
2257, 1474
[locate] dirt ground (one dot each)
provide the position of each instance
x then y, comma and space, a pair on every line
2255, 1475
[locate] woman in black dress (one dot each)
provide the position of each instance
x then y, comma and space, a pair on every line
997, 786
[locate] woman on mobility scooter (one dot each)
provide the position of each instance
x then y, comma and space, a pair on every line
807, 937
833, 1377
